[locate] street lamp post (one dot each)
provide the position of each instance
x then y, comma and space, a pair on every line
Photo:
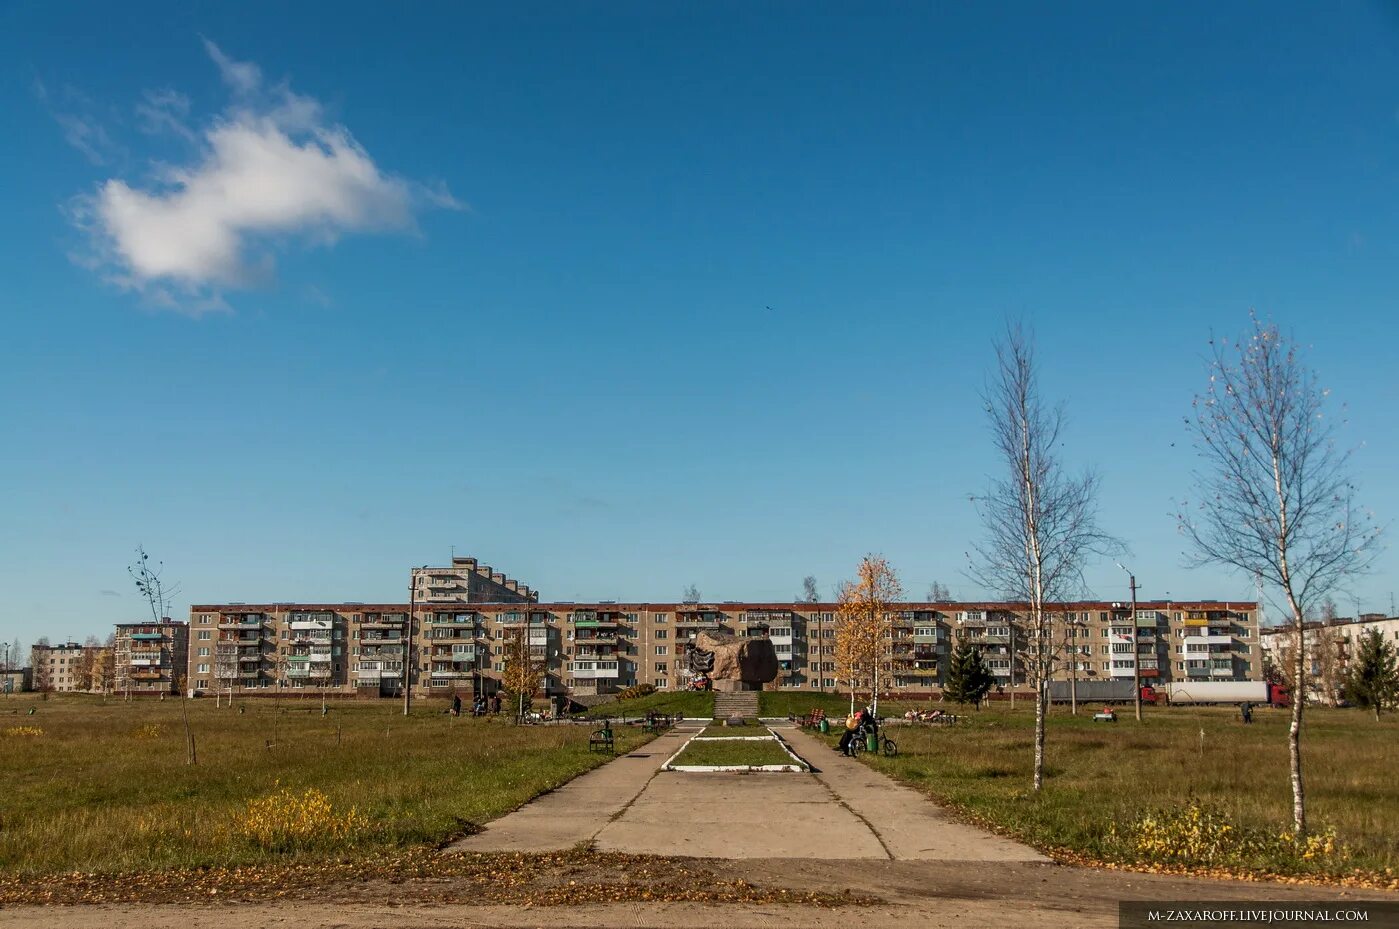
1136, 661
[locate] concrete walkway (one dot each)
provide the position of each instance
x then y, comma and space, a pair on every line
842, 810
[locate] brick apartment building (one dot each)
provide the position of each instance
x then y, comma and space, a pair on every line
464, 615
150, 658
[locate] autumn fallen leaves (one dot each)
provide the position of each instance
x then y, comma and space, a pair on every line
424, 876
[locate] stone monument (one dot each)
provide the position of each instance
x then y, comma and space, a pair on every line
733, 662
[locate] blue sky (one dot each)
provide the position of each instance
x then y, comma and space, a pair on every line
527, 315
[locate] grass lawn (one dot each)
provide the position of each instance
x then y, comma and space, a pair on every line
692, 704
1102, 777
708, 752
106, 787
782, 703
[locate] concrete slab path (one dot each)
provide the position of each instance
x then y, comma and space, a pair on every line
578, 811
842, 810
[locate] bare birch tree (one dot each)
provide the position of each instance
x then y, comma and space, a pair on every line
1275, 498
158, 595
1041, 522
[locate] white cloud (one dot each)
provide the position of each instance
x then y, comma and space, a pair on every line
269, 169
243, 76
76, 116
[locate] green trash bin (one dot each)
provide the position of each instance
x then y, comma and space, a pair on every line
824, 725
871, 742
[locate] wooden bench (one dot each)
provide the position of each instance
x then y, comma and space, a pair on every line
601, 741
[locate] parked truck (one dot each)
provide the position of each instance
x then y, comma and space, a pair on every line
1203, 692
1118, 691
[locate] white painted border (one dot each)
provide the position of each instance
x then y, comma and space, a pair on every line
797, 767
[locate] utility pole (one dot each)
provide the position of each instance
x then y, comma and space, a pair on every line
1072, 627
1136, 661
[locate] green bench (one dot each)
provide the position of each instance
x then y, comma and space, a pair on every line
601, 740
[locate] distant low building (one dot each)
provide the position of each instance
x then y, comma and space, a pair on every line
68, 667
1331, 646
16, 680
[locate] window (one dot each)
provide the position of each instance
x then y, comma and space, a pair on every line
660, 649
661, 667
204, 652
203, 669
204, 634
661, 633
658, 618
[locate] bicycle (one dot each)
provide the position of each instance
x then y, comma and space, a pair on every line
887, 746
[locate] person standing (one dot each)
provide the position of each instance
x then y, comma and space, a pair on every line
456, 704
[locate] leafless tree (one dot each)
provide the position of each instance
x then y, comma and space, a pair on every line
41, 676
938, 593
809, 592
692, 594
158, 595
1275, 498
1040, 522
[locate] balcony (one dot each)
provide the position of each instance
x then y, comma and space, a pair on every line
147, 636
383, 621
593, 669
146, 675
459, 620
447, 677
239, 624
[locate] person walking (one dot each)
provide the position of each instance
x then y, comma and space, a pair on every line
496, 703
456, 704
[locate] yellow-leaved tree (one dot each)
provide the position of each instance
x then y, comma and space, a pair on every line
524, 671
864, 628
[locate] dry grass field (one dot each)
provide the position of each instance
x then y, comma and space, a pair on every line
104, 787
1108, 784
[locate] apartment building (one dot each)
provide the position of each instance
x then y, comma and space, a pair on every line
461, 645
1331, 646
150, 657
68, 667
467, 581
